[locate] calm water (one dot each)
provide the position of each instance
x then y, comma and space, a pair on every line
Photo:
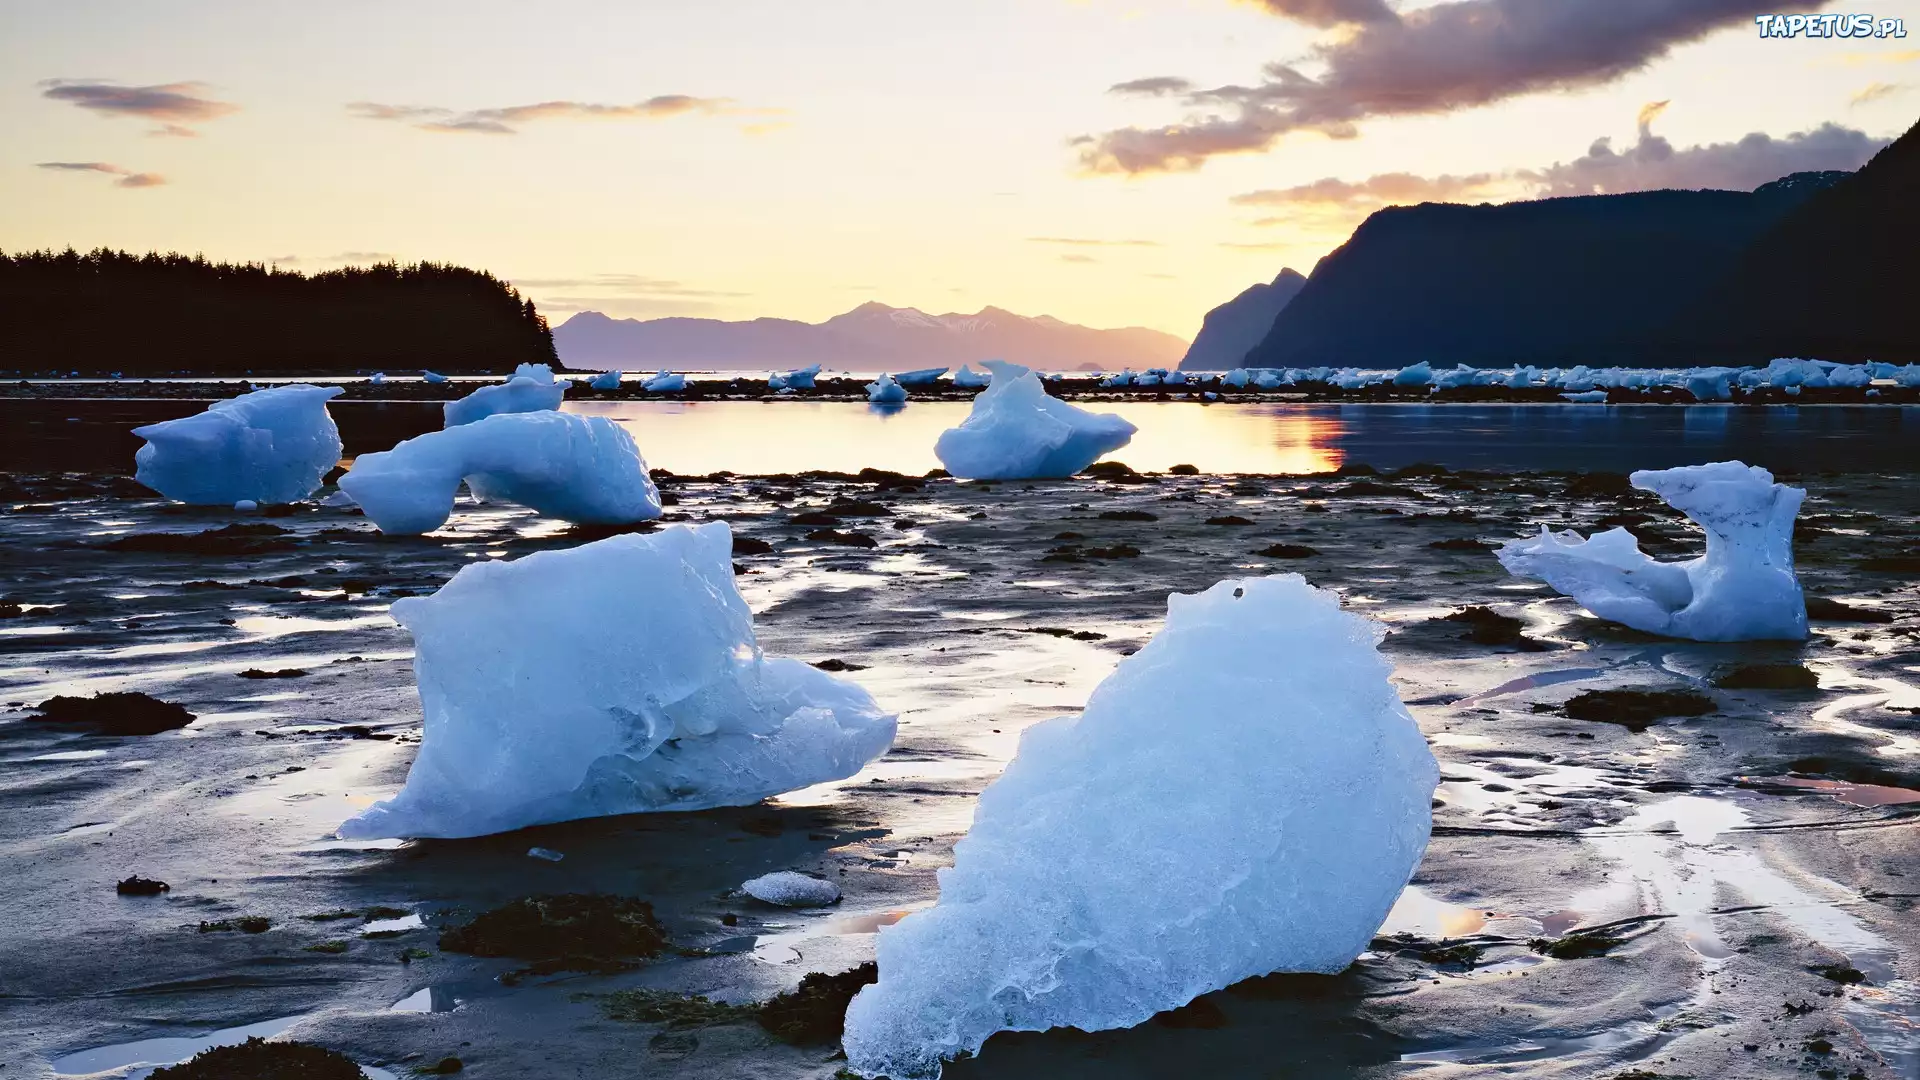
788, 436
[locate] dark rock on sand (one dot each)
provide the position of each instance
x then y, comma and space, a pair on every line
834, 663
845, 539
1229, 519
121, 713
258, 1059
814, 517
1599, 485
280, 673
747, 545
236, 539
9, 610
1579, 945
1184, 470
568, 932
246, 924
1108, 470
1128, 515
816, 1012
1636, 710
858, 508
1891, 564
139, 886
1286, 551
1769, 677
446, 1066
1486, 626
1821, 609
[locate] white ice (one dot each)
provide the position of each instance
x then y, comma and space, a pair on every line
666, 382
786, 888
1587, 397
1742, 589
584, 469
1016, 432
531, 389
921, 377
886, 390
802, 378
968, 379
269, 446
1244, 795
617, 677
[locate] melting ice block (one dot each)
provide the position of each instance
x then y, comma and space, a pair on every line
1742, 589
1244, 795
613, 678
885, 390
584, 469
968, 379
606, 380
531, 389
1017, 432
269, 446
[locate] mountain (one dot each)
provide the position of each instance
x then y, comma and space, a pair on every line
1231, 330
1832, 280
1585, 280
871, 337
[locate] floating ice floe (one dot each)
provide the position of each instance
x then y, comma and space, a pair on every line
666, 382
886, 390
802, 378
269, 446
1017, 432
786, 888
968, 379
532, 388
1419, 374
433, 377
922, 377
1238, 377
584, 469
1743, 589
606, 380
617, 677
1244, 795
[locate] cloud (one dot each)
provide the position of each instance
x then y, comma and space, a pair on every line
1385, 189
627, 284
1433, 59
128, 178
1153, 86
1329, 12
338, 257
173, 105
1877, 90
506, 121
1075, 257
1075, 241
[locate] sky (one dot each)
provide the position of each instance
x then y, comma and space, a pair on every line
1107, 162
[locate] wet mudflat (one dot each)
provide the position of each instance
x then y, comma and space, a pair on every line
1630, 886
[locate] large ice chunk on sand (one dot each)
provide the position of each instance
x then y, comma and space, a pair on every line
531, 389
613, 678
1017, 432
270, 446
1742, 589
584, 469
1244, 795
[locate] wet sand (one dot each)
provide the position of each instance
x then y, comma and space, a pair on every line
1751, 848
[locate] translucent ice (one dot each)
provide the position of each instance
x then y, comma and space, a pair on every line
531, 389
1419, 374
968, 379
581, 468
666, 382
885, 390
921, 377
270, 446
1244, 795
786, 888
802, 378
617, 677
433, 377
1587, 397
1017, 432
1742, 589
606, 380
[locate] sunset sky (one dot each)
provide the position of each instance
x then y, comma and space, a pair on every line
1107, 162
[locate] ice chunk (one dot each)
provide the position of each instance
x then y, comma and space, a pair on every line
1711, 384
245, 505
922, 377
581, 468
433, 377
1017, 432
1742, 589
802, 378
378, 378
1587, 397
606, 380
968, 379
789, 889
1244, 795
666, 382
525, 392
617, 677
269, 446
1419, 374
885, 390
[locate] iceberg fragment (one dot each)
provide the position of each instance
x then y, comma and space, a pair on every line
1017, 432
1419, 374
606, 380
617, 677
584, 469
968, 379
802, 378
885, 390
433, 376
666, 382
1743, 589
922, 377
527, 391
1244, 795
786, 888
269, 446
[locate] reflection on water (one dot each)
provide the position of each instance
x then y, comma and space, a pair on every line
752, 437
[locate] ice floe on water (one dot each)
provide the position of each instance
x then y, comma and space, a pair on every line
1244, 795
1016, 431
269, 446
1742, 589
606, 380
617, 677
886, 390
583, 469
531, 389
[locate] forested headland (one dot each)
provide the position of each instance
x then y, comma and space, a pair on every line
106, 311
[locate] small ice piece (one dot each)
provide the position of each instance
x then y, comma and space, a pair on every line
525, 392
787, 888
922, 377
338, 498
617, 677
1244, 795
968, 379
776, 382
378, 378
1587, 397
1124, 378
544, 854
1711, 384
1419, 374
269, 446
606, 380
1017, 432
666, 382
585, 469
802, 379
1237, 377
1742, 589
245, 505
433, 377
886, 390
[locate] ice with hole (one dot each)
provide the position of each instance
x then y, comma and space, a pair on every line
1742, 589
269, 446
1244, 795
617, 677
532, 388
584, 469
1016, 431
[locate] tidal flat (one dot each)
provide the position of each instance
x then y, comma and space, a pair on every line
1607, 894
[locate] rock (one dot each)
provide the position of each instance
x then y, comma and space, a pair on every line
119, 713
1821, 609
566, 932
1768, 677
844, 539
815, 1013
258, 1059
139, 886
1637, 709
1286, 551
252, 538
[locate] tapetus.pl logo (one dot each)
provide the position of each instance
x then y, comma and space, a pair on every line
1830, 25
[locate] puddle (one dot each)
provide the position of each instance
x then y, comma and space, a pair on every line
428, 999
1422, 914
144, 1056
1868, 795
